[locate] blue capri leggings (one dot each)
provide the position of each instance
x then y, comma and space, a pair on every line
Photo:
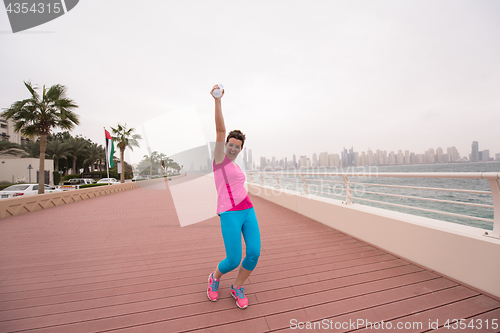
233, 224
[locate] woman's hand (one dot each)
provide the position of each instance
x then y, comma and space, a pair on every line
216, 87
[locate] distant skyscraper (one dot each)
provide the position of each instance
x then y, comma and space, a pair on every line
345, 158
370, 156
486, 155
323, 160
407, 157
245, 161
400, 159
430, 156
249, 157
263, 163
304, 162
413, 158
381, 157
348, 157
392, 158
315, 161
439, 155
363, 159
474, 156
334, 160
294, 162
453, 153
357, 160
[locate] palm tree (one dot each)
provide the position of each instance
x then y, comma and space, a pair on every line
93, 155
168, 163
144, 164
56, 150
176, 166
125, 138
32, 149
149, 160
162, 158
101, 156
79, 147
11, 148
38, 115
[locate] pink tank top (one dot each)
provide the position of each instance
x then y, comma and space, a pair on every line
231, 192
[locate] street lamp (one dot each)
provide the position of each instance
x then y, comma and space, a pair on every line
29, 168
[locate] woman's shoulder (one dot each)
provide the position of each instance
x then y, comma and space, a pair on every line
224, 162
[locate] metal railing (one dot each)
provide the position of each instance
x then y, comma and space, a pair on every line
303, 182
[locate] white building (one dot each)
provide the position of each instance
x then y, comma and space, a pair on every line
334, 160
453, 153
323, 160
400, 157
392, 158
407, 157
14, 169
7, 132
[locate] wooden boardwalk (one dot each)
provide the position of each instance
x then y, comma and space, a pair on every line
122, 263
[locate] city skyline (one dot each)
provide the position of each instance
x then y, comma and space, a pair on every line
347, 158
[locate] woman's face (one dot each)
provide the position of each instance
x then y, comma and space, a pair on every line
233, 148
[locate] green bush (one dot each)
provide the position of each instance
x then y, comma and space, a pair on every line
92, 185
5, 186
57, 177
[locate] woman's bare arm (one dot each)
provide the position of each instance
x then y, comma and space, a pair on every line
220, 129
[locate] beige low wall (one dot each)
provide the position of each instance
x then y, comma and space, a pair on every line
457, 251
17, 206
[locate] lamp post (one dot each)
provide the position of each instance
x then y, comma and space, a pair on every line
29, 168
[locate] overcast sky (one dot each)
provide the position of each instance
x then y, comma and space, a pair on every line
300, 77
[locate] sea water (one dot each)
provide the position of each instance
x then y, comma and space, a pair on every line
321, 184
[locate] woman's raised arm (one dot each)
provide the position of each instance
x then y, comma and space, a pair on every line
220, 129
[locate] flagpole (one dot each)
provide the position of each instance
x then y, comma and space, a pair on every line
106, 145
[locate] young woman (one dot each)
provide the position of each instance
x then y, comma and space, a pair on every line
235, 210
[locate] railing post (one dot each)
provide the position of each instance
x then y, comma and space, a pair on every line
495, 193
261, 179
251, 177
305, 184
278, 182
348, 194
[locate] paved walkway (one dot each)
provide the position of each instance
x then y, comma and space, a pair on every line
122, 263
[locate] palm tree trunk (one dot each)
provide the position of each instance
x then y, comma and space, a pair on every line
122, 176
41, 168
74, 165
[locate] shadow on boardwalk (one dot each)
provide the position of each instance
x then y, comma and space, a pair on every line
122, 263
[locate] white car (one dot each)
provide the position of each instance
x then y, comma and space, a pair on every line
19, 190
109, 181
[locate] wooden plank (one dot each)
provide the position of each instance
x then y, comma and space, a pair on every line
140, 271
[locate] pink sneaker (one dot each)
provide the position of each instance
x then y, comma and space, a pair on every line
239, 296
213, 288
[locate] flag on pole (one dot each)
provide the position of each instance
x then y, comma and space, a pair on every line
110, 149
